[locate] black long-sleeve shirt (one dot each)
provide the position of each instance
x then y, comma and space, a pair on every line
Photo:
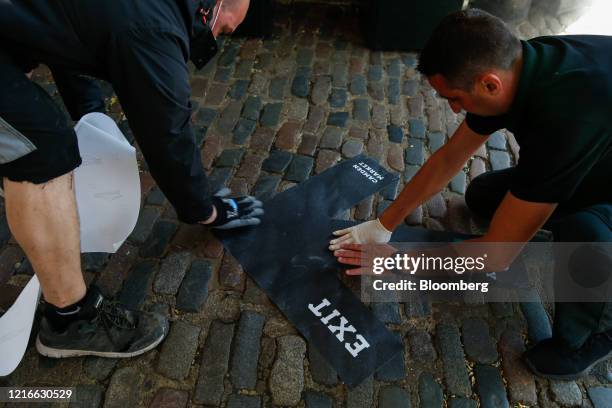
142, 49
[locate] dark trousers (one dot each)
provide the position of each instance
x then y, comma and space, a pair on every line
573, 322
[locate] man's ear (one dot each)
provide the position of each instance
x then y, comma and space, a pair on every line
491, 83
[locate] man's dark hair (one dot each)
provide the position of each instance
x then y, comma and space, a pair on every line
466, 43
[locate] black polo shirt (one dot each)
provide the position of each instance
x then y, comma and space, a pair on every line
562, 120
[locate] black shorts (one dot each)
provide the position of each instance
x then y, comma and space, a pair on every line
32, 124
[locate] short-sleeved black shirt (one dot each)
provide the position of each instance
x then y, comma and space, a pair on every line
562, 120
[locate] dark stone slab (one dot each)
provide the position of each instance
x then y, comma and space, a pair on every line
171, 273
332, 138
361, 396
339, 119
230, 158
266, 186
243, 401
229, 55
430, 392
136, 286
194, 289
300, 86
490, 387
300, 168
375, 73
410, 171
156, 197
178, 350
359, 85
160, 237
167, 397
223, 75
206, 116
99, 368
215, 360
463, 403
86, 396
566, 393
244, 128
252, 106
352, 148
396, 135
421, 346
601, 397
338, 98
219, 178
277, 87
271, 114
123, 388
415, 152
361, 110
393, 397
247, 345
146, 220
394, 69
453, 359
304, 56
277, 162
410, 87
317, 400
478, 343
417, 128
229, 117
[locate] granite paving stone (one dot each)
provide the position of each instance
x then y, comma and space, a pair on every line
393, 397
410, 87
601, 397
251, 108
123, 388
277, 87
146, 219
376, 90
244, 128
340, 75
229, 116
566, 393
463, 403
479, 345
521, 384
168, 397
332, 138
308, 146
394, 69
430, 392
300, 86
490, 387
194, 289
375, 73
243, 69
243, 401
352, 148
497, 141
271, 114
339, 119
410, 171
417, 128
246, 350
99, 368
300, 168
231, 274
223, 75
315, 118
379, 116
250, 167
277, 162
453, 359
361, 396
86, 396
361, 110
298, 109
393, 91
262, 139
229, 158
358, 85
435, 141
178, 350
266, 186
499, 159
171, 273
136, 286
338, 98
317, 400
396, 135
421, 346
320, 90
215, 94
415, 153
219, 178
215, 359
288, 136
458, 183
287, 376
322, 372
326, 159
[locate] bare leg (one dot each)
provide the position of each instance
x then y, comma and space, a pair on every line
43, 219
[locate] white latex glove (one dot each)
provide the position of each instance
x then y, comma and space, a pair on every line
367, 232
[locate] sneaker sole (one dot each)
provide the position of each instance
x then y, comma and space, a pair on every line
63, 353
567, 377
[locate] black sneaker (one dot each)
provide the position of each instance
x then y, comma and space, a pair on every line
104, 328
551, 359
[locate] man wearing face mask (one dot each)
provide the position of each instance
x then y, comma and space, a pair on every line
142, 49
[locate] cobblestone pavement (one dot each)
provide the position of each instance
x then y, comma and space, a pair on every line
269, 114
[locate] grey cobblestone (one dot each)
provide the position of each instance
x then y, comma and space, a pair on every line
393, 397
229, 116
194, 289
215, 360
393, 91
430, 392
352, 148
146, 219
137, 284
287, 376
317, 400
601, 397
361, 110
361, 396
87, 396
326, 159
246, 350
338, 98
332, 138
123, 388
417, 128
229, 158
435, 141
178, 350
521, 385
463, 403
377, 91
266, 186
171, 273
410, 87
99, 368
243, 401
566, 393
298, 109
479, 345
277, 87
396, 135
167, 397
300, 168
490, 387
252, 106
421, 346
379, 116
358, 85
300, 86
453, 359
219, 178
320, 90
271, 114
339, 119
244, 128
